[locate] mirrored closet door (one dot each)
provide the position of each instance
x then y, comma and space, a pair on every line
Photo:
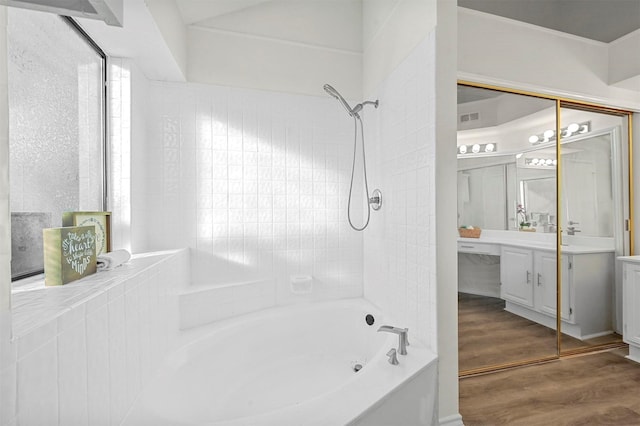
593, 207
543, 209
507, 192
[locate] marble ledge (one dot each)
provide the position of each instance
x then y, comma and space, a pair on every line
33, 305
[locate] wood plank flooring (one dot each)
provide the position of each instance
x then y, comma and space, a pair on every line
488, 335
595, 389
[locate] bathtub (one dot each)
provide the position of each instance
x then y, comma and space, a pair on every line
293, 365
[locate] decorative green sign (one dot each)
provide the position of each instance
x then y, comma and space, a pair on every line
69, 254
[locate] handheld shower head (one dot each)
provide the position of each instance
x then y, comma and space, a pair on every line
333, 92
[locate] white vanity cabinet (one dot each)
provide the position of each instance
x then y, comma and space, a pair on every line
528, 278
631, 306
516, 275
528, 285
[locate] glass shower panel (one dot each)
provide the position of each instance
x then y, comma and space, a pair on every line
592, 215
507, 187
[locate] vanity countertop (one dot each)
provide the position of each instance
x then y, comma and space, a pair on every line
576, 245
632, 259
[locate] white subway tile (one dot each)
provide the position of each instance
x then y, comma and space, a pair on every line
72, 373
38, 386
117, 360
98, 389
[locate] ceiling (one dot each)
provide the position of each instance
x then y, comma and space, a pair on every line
601, 20
334, 24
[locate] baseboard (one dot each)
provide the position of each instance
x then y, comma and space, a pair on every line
454, 420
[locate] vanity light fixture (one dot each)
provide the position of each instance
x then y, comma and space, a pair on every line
550, 135
540, 162
478, 148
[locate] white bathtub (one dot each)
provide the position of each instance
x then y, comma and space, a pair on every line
291, 366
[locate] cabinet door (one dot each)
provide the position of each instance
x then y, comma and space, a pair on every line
546, 283
631, 297
546, 280
516, 274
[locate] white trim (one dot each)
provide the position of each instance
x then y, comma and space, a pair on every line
453, 420
276, 40
509, 84
522, 24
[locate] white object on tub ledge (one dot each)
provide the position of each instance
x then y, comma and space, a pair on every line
301, 284
113, 259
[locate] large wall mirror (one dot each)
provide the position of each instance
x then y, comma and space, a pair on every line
534, 181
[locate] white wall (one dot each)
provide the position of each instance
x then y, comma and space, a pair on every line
624, 62
445, 212
256, 184
508, 53
242, 60
400, 243
139, 143
391, 31
8, 369
169, 22
128, 105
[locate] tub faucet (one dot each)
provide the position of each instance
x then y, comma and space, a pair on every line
403, 337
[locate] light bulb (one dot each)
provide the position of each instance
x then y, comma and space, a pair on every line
555, 162
533, 139
475, 148
548, 162
534, 161
584, 128
573, 127
463, 149
489, 147
519, 155
548, 134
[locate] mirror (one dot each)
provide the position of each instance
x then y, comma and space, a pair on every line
508, 176
491, 188
495, 279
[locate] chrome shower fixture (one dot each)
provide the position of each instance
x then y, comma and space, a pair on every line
374, 202
353, 112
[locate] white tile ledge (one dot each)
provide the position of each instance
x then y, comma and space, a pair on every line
35, 306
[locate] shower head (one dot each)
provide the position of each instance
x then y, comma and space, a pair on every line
333, 92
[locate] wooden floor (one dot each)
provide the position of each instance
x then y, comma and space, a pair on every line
595, 389
488, 335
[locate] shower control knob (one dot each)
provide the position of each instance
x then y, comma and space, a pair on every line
376, 200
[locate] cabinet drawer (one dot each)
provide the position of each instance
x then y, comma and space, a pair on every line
479, 248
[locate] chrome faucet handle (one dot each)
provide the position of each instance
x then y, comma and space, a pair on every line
393, 358
403, 337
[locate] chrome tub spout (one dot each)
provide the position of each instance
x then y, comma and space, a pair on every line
403, 337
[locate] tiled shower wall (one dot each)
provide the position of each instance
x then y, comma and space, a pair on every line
128, 105
399, 248
256, 184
